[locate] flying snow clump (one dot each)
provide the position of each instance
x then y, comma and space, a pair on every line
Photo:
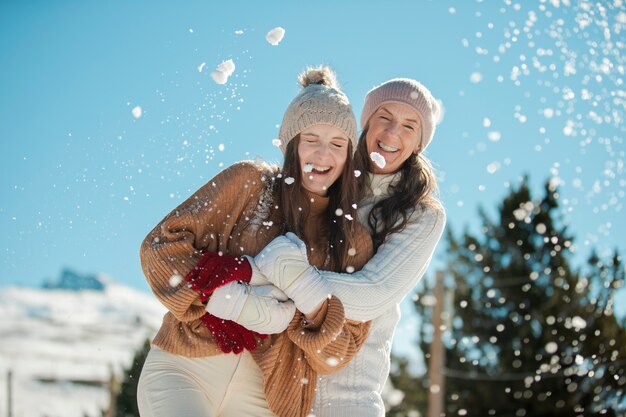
476, 77
223, 71
275, 35
378, 159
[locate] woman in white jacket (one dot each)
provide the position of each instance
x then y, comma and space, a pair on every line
406, 221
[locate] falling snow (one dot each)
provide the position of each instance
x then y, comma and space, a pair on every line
275, 36
223, 72
137, 112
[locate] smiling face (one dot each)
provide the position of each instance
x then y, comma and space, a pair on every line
323, 151
394, 132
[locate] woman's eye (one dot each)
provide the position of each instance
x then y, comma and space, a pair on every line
383, 117
409, 127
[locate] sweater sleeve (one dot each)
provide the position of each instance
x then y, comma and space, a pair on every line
202, 222
395, 269
328, 341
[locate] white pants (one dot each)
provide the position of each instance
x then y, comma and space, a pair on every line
225, 385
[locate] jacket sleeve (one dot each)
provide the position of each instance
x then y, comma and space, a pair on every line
202, 222
395, 269
328, 341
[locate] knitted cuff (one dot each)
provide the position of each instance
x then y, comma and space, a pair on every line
308, 291
214, 270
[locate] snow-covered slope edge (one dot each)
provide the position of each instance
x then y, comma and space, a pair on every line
60, 344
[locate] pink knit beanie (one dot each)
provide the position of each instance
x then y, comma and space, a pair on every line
409, 92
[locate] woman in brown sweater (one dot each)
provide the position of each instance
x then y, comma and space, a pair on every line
212, 356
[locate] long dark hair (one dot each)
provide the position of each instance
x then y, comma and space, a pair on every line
342, 195
416, 188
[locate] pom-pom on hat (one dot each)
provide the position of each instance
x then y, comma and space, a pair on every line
319, 102
409, 92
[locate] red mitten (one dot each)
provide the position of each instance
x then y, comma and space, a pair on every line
214, 270
230, 336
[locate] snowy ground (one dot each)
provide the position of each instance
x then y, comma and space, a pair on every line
61, 346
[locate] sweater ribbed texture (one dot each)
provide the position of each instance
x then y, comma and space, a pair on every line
234, 213
375, 293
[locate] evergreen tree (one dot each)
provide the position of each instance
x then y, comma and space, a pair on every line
529, 335
414, 389
126, 403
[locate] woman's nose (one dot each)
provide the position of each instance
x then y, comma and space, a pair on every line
392, 128
323, 150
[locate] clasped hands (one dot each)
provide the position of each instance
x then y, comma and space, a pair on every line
247, 297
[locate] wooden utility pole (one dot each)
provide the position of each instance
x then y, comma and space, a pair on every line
112, 386
436, 362
9, 393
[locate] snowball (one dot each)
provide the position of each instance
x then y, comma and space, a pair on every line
332, 361
175, 280
476, 77
493, 167
378, 159
351, 252
339, 212
275, 35
137, 112
578, 322
289, 180
223, 71
350, 269
548, 113
357, 173
493, 136
276, 142
201, 67
307, 168
541, 228
227, 67
347, 216
429, 300
220, 147
551, 347
219, 77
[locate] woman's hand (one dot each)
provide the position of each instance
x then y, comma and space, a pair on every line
264, 309
285, 264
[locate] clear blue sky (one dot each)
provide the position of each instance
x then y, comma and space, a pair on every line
528, 88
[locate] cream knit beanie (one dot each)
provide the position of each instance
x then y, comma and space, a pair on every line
409, 92
320, 102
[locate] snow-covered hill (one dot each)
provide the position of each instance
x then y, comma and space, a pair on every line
61, 344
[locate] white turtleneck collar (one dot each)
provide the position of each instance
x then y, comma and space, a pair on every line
379, 184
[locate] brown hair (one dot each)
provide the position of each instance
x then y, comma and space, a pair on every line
342, 195
417, 187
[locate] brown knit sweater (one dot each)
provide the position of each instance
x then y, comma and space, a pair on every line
235, 213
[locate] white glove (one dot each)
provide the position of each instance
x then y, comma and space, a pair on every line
284, 263
257, 277
263, 309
